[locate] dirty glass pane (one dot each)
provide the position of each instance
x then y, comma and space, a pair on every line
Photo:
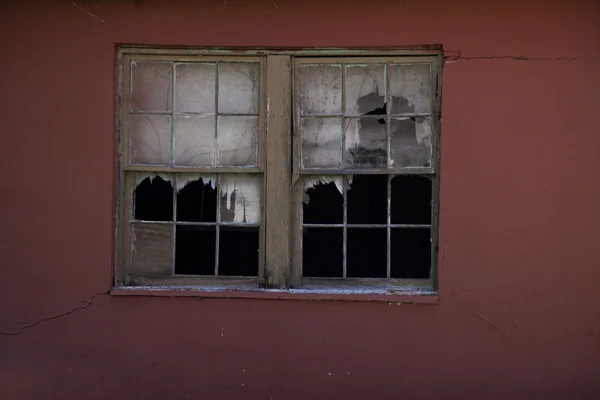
238, 88
237, 141
151, 250
194, 141
150, 86
321, 89
409, 88
321, 142
366, 142
150, 139
239, 198
195, 88
365, 89
411, 142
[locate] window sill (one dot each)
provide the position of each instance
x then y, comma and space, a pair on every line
312, 289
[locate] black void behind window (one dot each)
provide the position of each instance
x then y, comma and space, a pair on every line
366, 152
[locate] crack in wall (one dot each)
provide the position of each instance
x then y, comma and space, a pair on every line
71, 311
453, 58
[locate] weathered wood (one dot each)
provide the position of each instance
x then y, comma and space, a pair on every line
278, 174
152, 250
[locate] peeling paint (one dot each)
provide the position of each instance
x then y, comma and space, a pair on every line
313, 181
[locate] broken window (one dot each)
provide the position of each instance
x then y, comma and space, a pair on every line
281, 169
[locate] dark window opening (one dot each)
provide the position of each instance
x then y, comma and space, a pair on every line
197, 202
322, 252
195, 250
366, 253
323, 204
367, 199
238, 251
411, 253
154, 200
411, 200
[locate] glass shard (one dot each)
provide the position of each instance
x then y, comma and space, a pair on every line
365, 89
411, 200
321, 142
237, 141
194, 141
195, 88
238, 251
366, 251
323, 204
321, 89
197, 200
239, 85
150, 86
411, 142
195, 250
150, 139
322, 252
152, 250
410, 253
240, 199
410, 88
366, 142
153, 200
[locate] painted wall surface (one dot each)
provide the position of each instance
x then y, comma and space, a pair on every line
519, 312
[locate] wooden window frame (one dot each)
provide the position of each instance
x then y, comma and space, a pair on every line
281, 189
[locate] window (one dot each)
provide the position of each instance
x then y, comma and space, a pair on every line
279, 169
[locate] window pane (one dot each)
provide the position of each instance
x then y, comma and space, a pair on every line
196, 198
366, 253
411, 200
237, 141
367, 199
194, 141
240, 198
411, 253
366, 142
153, 199
195, 88
323, 202
150, 139
322, 252
150, 86
238, 251
322, 143
195, 250
411, 142
321, 89
409, 88
152, 250
238, 88
365, 89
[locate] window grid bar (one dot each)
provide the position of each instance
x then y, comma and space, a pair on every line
216, 154
217, 231
192, 114
389, 223
174, 179
313, 116
344, 127
362, 226
345, 234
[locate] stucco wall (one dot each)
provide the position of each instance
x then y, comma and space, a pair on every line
519, 312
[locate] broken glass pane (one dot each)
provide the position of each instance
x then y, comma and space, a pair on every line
323, 201
238, 251
195, 248
195, 88
409, 88
196, 198
240, 198
365, 89
321, 142
366, 142
367, 199
150, 139
238, 88
153, 198
411, 142
152, 250
410, 253
237, 141
322, 252
194, 141
411, 199
321, 89
366, 251
150, 86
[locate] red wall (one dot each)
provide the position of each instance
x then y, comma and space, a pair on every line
519, 312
